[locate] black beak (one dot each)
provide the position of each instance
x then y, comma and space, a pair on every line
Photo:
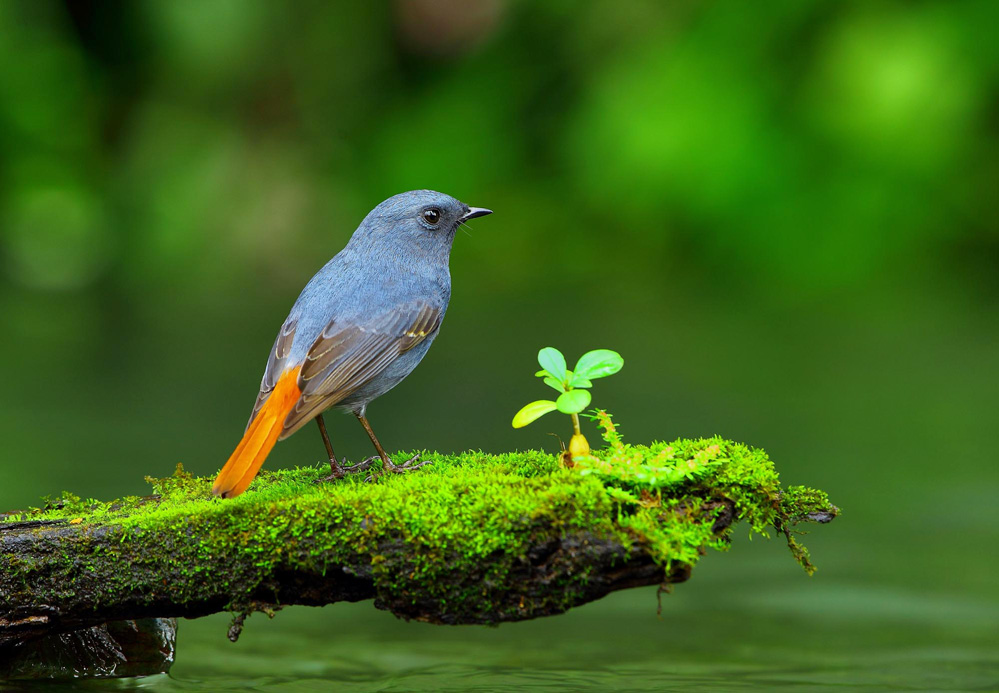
474, 213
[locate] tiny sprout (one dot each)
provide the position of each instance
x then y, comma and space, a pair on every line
572, 385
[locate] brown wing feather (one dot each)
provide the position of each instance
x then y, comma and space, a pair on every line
276, 364
346, 356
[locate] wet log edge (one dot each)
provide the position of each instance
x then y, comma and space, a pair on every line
539, 575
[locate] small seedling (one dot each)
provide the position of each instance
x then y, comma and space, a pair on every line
574, 397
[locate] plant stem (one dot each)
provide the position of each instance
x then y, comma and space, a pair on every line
575, 424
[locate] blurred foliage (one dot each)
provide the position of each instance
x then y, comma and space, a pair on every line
782, 212
829, 141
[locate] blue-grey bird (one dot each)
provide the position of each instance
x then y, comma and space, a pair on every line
360, 326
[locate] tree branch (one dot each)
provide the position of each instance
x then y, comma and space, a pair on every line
471, 539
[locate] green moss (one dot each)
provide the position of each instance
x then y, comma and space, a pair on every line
465, 522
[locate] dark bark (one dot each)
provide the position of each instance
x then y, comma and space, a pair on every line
558, 572
116, 649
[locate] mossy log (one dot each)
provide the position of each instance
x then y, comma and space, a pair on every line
472, 538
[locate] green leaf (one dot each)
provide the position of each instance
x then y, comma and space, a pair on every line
573, 401
551, 360
598, 363
619, 494
542, 373
554, 384
532, 411
579, 381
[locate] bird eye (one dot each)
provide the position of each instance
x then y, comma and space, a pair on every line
431, 215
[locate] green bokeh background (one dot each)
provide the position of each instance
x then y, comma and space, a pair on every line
782, 214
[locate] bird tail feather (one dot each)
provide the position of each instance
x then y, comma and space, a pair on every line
260, 437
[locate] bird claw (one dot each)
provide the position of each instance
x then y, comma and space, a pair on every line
361, 466
409, 465
341, 471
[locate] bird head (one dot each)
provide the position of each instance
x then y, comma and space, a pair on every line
421, 221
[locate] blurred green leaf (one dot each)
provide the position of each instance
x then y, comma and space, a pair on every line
532, 411
542, 373
554, 384
573, 402
578, 380
599, 363
551, 359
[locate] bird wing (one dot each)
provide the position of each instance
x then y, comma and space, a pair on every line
345, 356
276, 364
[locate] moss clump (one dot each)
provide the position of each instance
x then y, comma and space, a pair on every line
451, 540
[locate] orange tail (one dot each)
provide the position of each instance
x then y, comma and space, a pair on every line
260, 437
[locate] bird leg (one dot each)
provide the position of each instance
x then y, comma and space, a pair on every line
337, 470
413, 463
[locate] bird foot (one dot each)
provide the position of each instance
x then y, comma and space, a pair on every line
409, 465
340, 471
